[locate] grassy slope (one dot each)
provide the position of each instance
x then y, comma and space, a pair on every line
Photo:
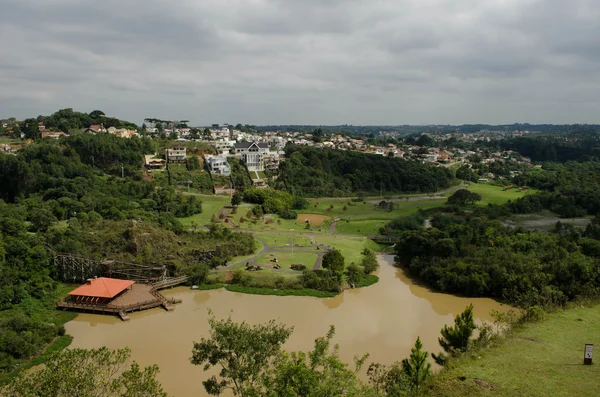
495, 194
210, 205
543, 359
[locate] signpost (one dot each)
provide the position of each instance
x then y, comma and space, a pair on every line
587, 355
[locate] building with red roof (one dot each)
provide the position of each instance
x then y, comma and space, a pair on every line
100, 290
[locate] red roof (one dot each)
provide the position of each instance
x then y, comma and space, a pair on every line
102, 287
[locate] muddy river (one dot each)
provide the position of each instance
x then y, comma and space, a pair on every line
383, 320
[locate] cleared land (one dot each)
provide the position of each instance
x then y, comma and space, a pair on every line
542, 359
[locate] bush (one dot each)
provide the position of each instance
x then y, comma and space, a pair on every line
241, 277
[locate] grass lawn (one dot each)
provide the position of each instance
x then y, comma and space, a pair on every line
495, 194
277, 225
285, 259
282, 239
350, 247
210, 205
323, 204
360, 227
542, 359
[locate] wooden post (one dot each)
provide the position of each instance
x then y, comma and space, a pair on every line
588, 353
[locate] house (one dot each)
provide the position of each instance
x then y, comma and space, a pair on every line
41, 125
272, 160
223, 145
95, 128
218, 164
176, 155
152, 163
52, 134
6, 149
252, 154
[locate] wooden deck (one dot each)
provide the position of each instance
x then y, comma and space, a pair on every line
139, 297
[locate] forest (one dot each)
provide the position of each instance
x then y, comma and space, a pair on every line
314, 172
55, 197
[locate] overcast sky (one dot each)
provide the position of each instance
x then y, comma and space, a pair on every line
304, 61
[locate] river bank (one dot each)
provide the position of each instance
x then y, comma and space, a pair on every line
551, 350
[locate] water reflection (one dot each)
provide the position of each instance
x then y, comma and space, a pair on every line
383, 320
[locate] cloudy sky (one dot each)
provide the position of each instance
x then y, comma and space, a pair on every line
304, 61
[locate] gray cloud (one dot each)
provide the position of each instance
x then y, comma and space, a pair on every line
313, 61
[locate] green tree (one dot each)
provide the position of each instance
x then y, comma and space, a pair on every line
456, 339
159, 127
243, 352
30, 129
463, 196
236, 199
87, 373
333, 261
354, 274
416, 366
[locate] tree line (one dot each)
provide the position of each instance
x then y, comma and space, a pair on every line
315, 172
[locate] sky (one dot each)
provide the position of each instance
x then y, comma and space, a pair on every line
382, 62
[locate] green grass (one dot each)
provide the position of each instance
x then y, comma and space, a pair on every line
360, 227
350, 247
403, 208
323, 204
492, 194
279, 292
281, 240
285, 259
539, 360
210, 205
367, 281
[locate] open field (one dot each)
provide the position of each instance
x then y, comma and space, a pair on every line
403, 208
313, 219
495, 194
210, 205
283, 239
286, 259
350, 247
542, 359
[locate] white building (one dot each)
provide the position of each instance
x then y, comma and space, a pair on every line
176, 155
218, 164
252, 154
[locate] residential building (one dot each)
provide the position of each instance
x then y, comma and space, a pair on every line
51, 134
176, 155
153, 163
272, 160
252, 154
223, 146
95, 128
218, 164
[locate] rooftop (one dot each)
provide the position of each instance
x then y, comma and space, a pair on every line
102, 287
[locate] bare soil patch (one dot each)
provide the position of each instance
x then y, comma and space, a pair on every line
313, 219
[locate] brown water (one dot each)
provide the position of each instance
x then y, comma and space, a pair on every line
383, 320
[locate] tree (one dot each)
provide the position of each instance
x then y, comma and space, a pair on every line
456, 339
243, 352
463, 196
159, 127
30, 129
333, 261
317, 135
87, 373
236, 199
369, 261
96, 114
416, 366
354, 274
